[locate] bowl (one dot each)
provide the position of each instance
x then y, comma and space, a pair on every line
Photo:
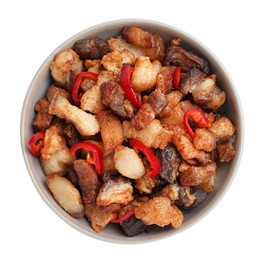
232, 107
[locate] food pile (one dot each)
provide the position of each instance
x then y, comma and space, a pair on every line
130, 131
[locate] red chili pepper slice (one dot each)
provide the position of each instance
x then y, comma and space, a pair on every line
95, 158
126, 86
199, 117
36, 142
124, 217
77, 82
152, 159
177, 77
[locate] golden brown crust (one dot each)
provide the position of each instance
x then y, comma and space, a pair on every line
159, 211
111, 131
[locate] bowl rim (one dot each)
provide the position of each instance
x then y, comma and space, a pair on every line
241, 132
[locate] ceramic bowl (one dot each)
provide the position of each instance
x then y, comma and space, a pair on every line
232, 107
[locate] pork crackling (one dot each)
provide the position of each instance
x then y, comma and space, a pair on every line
131, 130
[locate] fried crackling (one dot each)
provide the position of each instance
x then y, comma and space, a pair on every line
138, 37
204, 140
128, 163
67, 196
147, 135
53, 141
111, 131
58, 162
196, 175
159, 211
188, 151
65, 67
98, 216
42, 119
156, 53
114, 60
208, 95
144, 74
91, 100
115, 190
222, 128
84, 122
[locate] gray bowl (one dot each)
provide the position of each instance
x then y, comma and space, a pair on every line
232, 107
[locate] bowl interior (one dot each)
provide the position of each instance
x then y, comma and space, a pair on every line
232, 107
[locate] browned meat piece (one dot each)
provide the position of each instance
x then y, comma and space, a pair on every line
98, 216
196, 175
222, 128
164, 81
226, 152
170, 160
204, 140
111, 131
138, 37
151, 42
87, 84
159, 211
208, 95
53, 91
156, 53
188, 152
71, 175
157, 101
190, 80
113, 97
71, 134
178, 56
145, 184
175, 115
94, 48
43, 119
88, 181
154, 105
143, 117
115, 190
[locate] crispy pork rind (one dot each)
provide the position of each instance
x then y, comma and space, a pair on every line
58, 162
98, 216
115, 190
147, 135
67, 196
55, 156
53, 141
159, 211
65, 67
196, 175
111, 131
128, 163
137, 47
188, 151
84, 122
144, 74
91, 100
115, 60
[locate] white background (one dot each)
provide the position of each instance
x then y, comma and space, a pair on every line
31, 30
